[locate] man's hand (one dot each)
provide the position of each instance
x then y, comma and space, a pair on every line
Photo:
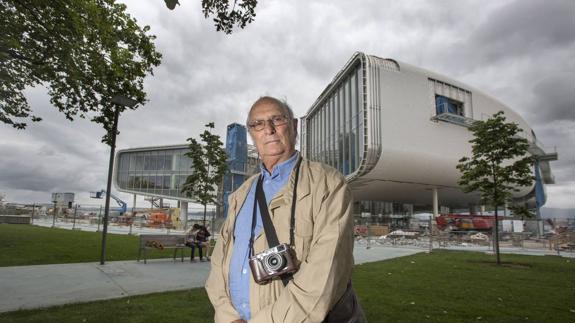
239, 321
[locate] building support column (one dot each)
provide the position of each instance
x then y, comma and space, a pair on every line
184, 214
134, 205
435, 203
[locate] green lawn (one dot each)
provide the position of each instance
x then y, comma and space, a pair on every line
439, 287
22, 245
187, 306
468, 287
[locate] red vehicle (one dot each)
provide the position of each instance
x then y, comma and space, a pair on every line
159, 219
465, 222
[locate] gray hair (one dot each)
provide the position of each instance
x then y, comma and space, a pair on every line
282, 104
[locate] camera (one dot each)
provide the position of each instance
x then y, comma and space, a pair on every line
273, 262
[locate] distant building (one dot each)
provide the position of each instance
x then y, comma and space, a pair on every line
161, 171
242, 161
153, 171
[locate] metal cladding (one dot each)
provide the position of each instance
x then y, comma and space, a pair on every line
397, 132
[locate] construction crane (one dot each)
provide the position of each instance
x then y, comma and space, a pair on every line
102, 193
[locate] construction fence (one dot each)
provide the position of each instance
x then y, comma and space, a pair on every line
91, 218
554, 236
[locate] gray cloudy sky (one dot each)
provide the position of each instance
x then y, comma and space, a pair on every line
520, 52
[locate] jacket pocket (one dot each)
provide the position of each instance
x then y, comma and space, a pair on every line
303, 236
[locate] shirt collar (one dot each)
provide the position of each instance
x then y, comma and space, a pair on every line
281, 170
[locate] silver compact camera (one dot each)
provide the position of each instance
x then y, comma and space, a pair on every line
273, 262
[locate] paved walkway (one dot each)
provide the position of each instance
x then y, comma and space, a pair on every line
27, 287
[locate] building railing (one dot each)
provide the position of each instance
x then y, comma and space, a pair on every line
454, 118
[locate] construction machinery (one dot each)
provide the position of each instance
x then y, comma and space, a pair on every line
159, 218
99, 195
465, 222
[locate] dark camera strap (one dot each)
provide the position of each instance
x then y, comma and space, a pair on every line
269, 228
267, 221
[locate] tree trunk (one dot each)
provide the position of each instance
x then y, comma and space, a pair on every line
204, 215
496, 236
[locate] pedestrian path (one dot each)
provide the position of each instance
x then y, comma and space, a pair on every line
27, 287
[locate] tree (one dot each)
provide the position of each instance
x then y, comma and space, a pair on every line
83, 51
241, 13
521, 210
499, 164
209, 165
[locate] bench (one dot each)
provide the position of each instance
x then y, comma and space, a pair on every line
160, 242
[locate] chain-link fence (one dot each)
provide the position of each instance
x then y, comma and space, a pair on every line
537, 236
448, 232
91, 217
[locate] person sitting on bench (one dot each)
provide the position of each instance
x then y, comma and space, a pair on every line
198, 237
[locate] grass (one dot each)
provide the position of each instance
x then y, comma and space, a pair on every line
468, 287
183, 306
22, 245
442, 286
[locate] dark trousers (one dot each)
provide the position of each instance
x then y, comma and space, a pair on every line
193, 245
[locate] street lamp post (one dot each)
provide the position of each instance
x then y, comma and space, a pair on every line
74, 220
119, 100
33, 211
54, 214
99, 219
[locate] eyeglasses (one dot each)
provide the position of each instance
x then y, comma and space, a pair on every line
276, 121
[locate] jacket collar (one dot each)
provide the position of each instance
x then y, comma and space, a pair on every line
283, 197
281, 170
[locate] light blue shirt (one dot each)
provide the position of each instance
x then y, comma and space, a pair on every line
239, 267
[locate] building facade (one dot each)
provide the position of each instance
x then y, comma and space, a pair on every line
160, 172
397, 133
153, 171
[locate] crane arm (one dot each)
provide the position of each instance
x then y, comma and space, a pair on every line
123, 205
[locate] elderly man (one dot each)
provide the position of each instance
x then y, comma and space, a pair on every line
317, 224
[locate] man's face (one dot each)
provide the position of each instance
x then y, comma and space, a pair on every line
272, 142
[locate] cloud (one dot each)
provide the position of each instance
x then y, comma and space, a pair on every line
559, 136
555, 98
561, 195
515, 31
517, 51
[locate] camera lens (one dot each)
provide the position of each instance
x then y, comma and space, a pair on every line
274, 262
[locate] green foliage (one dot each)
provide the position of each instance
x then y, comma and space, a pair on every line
437, 287
240, 14
171, 4
500, 162
521, 211
83, 51
209, 165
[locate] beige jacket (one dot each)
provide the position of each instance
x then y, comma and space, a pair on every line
323, 244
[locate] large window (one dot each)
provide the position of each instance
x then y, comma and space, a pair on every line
334, 129
450, 99
157, 171
446, 105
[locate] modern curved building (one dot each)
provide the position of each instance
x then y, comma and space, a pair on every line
397, 132
161, 171
153, 171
